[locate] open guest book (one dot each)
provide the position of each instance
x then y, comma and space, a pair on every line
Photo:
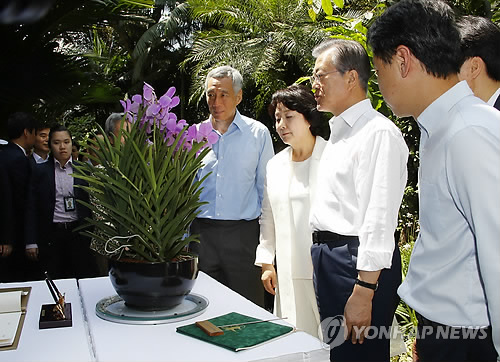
13, 302
238, 337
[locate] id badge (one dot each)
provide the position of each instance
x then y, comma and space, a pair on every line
69, 203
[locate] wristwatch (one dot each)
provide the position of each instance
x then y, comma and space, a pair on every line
367, 285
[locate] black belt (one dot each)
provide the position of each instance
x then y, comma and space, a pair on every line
65, 225
426, 322
319, 237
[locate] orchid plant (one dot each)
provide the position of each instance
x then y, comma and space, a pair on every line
143, 189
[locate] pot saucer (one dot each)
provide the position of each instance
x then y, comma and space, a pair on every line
113, 309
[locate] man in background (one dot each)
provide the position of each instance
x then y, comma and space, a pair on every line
480, 43
41, 149
16, 172
113, 124
452, 279
228, 224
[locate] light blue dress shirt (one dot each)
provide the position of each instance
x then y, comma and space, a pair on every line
234, 189
454, 271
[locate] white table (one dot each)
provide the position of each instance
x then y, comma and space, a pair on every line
121, 342
56, 344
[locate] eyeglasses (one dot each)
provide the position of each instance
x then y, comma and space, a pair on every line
317, 77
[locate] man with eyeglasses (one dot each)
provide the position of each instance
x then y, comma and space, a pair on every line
362, 177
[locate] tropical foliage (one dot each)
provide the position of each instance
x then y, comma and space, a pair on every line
45, 61
269, 41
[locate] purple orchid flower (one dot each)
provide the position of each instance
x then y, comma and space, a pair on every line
206, 133
149, 94
170, 92
165, 102
157, 115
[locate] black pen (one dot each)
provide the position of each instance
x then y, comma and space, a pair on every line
58, 294
58, 297
52, 291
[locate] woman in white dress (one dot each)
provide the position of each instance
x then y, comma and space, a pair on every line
288, 194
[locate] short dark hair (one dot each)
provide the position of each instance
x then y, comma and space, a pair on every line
18, 122
480, 37
42, 127
59, 128
350, 55
300, 99
426, 27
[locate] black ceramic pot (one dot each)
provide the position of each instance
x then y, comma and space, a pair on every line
153, 286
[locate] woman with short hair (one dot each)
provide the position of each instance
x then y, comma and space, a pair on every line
288, 195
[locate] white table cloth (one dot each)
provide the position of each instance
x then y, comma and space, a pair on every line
56, 344
121, 342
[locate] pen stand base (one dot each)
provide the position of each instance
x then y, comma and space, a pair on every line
49, 318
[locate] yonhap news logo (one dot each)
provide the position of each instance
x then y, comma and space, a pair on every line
333, 331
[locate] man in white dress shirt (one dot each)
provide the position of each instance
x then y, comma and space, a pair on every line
361, 180
480, 39
452, 280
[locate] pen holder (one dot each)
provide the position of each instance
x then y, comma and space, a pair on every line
50, 318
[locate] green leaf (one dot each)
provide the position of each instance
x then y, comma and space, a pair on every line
312, 14
327, 6
339, 3
338, 19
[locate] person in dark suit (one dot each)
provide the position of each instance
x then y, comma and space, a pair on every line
15, 170
54, 213
480, 43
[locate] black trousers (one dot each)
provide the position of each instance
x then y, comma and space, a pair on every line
67, 254
439, 342
334, 264
227, 253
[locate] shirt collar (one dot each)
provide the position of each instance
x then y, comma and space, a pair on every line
69, 163
429, 118
238, 121
494, 97
38, 158
22, 148
352, 114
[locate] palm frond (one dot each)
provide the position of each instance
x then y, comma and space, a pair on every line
258, 37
